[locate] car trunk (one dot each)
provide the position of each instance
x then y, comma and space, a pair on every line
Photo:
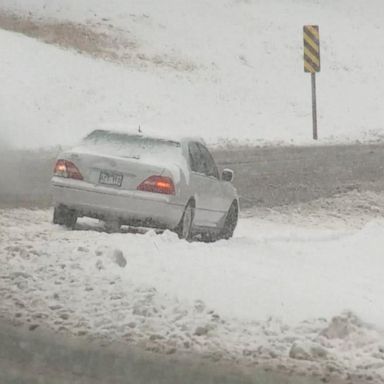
116, 172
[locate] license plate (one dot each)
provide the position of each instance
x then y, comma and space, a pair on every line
110, 178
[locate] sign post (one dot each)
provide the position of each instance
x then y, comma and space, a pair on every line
312, 65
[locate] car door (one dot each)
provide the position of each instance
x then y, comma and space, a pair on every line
207, 187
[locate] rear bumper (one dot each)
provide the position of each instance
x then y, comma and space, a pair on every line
130, 207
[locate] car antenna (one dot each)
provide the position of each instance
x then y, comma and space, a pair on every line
140, 129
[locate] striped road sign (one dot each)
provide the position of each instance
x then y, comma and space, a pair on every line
311, 48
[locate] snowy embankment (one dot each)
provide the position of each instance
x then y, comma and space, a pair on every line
277, 294
226, 70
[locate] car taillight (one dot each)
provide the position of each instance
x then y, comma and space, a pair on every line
158, 184
65, 168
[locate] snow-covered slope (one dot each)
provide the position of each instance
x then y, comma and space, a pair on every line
227, 69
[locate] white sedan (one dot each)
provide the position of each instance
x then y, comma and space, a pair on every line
144, 181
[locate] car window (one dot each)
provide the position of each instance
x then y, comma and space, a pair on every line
195, 158
209, 165
136, 146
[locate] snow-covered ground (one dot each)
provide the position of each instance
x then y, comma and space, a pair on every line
225, 70
279, 293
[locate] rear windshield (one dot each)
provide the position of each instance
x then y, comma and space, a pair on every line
131, 146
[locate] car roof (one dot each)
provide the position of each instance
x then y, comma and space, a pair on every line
174, 138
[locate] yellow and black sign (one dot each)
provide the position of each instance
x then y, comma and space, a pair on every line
311, 48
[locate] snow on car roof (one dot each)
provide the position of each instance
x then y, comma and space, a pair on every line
139, 132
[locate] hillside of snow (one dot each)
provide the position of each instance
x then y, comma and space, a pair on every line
228, 70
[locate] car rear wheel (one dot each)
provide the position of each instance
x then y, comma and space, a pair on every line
64, 216
112, 226
230, 222
185, 227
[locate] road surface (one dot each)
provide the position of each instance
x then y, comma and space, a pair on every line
264, 177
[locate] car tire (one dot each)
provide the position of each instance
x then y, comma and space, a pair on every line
230, 222
186, 223
112, 226
64, 216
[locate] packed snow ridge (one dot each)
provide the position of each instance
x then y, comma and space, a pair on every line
277, 294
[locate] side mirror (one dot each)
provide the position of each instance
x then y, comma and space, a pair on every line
227, 175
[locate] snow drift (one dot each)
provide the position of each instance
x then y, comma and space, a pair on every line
276, 294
